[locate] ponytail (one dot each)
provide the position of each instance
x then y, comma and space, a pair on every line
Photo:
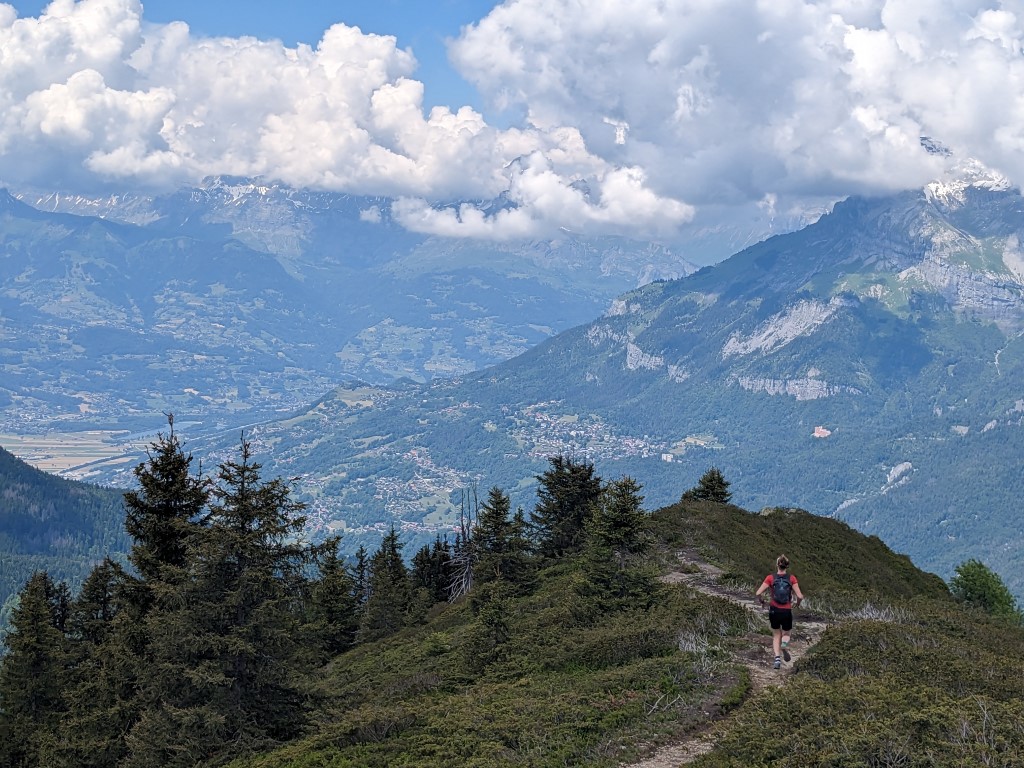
782, 562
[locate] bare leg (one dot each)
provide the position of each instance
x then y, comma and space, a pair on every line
777, 641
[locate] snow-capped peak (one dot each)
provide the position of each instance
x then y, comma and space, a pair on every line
961, 175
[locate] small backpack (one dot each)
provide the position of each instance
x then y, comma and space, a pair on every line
782, 590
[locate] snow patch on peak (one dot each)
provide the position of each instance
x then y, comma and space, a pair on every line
799, 320
952, 189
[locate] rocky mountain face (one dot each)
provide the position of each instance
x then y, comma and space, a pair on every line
239, 299
869, 367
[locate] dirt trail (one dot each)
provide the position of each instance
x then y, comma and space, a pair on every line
807, 631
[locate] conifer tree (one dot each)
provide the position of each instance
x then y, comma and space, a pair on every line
492, 537
490, 629
32, 676
500, 544
334, 606
568, 491
519, 563
99, 695
225, 658
712, 486
431, 570
161, 515
421, 567
389, 598
361, 575
98, 603
617, 538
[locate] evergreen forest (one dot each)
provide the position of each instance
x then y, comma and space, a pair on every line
48, 523
585, 630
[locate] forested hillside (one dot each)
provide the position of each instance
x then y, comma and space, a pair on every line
585, 631
57, 525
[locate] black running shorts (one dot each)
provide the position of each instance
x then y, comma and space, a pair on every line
780, 618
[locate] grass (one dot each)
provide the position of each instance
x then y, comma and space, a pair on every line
830, 559
568, 688
560, 691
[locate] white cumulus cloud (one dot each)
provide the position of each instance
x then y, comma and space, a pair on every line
89, 91
732, 101
637, 116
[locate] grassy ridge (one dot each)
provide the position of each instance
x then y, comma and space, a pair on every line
903, 677
563, 689
560, 691
829, 558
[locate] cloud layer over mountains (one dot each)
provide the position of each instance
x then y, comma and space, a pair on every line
632, 111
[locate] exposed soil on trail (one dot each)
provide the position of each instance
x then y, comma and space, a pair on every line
757, 658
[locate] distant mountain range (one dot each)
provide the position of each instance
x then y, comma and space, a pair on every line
238, 299
868, 367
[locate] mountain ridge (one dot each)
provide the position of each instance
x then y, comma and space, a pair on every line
808, 367
240, 300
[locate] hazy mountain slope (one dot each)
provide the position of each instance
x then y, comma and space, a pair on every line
868, 366
238, 299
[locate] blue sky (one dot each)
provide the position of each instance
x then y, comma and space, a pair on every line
423, 25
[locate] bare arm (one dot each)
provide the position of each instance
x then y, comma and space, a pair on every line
762, 588
799, 594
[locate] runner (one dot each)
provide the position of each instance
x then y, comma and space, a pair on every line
780, 610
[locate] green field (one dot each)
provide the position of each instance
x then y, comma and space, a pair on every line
76, 455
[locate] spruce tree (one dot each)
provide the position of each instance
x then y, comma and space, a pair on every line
161, 515
361, 575
568, 491
32, 676
712, 486
431, 570
500, 544
97, 605
389, 594
492, 537
490, 630
226, 657
518, 562
334, 608
99, 695
617, 539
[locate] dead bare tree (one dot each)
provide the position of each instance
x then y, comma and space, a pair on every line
463, 555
